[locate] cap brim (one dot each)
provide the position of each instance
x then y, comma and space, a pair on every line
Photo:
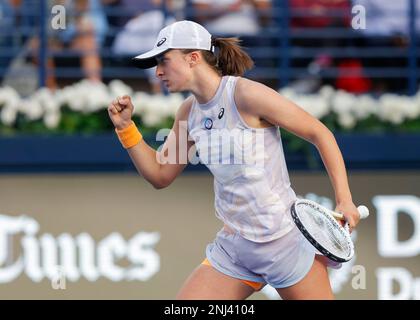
148, 59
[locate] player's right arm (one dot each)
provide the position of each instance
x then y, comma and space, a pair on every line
149, 162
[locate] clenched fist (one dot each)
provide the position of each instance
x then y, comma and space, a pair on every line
120, 111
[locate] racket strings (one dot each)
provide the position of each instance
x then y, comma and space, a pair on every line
324, 230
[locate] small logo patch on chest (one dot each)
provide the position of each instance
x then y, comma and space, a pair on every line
208, 123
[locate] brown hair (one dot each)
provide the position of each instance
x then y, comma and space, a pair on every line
230, 59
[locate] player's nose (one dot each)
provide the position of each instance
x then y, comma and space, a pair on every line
159, 71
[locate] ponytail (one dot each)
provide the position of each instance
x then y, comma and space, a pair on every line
229, 59
232, 60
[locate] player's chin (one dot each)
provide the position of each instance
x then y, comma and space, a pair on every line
173, 89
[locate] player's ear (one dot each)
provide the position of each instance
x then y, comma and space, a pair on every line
193, 58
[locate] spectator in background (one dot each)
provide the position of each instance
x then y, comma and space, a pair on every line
388, 18
244, 19
85, 16
387, 26
143, 21
320, 13
85, 31
8, 23
123, 11
119, 12
351, 77
232, 17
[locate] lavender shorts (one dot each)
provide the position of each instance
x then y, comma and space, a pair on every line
280, 263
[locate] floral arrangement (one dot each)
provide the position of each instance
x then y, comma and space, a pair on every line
82, 109
344, 112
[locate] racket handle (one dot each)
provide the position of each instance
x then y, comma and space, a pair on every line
363, 211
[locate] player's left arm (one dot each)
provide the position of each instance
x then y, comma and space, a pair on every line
258, 100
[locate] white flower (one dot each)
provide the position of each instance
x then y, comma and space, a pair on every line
52, 119
316, 105
365, 106
173, 103
346, 120
410, 108
327, 92
98, 97
160, 106
51, 105
71, 97
139, 99
9, 97
46, 99
31, 108
59, 98
343, 102
7, 94
43, 94
118, 88
391, 109
153, 110
151, 119
83, 92
88, 97
417, 102
8, 116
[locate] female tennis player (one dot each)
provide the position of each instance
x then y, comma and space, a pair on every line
259, 243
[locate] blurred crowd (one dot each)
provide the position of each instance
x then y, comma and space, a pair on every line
103, 33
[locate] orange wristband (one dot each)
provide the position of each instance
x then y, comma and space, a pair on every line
129, 136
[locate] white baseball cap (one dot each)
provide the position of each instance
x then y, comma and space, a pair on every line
179, 35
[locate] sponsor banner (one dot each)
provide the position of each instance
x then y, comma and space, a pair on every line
113, 236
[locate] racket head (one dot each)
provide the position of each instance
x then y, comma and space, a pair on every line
322, 230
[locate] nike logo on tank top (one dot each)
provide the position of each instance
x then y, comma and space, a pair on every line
252, 188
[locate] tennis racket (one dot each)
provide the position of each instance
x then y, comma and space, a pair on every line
319, 225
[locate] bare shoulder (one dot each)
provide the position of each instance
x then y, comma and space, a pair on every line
184, 109
249, 92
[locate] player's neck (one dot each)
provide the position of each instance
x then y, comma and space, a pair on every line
205, 86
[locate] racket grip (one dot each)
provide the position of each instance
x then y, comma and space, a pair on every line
363, 212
